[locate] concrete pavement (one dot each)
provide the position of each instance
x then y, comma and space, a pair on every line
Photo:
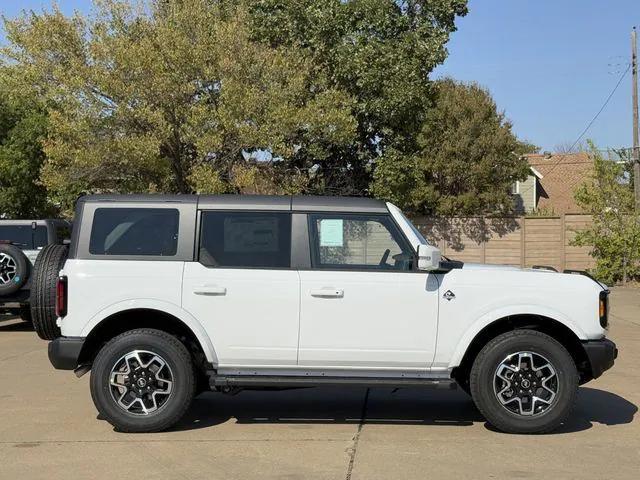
49, 429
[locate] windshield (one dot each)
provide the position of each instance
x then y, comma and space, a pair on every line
407, 227
417, 232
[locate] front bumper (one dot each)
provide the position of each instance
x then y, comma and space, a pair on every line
65, 351
601, 354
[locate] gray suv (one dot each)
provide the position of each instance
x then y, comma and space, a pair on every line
20, 244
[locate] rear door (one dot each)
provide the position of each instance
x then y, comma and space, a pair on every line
242, 288
362, 303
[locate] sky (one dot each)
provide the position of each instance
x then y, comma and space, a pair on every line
549, 64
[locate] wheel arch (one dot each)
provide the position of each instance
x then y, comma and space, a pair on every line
115, 321
569, 337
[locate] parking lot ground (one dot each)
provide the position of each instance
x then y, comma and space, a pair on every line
49, 429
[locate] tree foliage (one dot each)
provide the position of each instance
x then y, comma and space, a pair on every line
465, 161
22, 130
261, 96
614, 234
171, 96
381, 52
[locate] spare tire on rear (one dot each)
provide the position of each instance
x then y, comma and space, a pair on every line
43, 290
14, 269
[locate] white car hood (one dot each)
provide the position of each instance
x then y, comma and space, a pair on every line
511, 268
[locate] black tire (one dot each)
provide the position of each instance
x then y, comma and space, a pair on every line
25, 313
177, 358
43, 290
14, 269
486, 399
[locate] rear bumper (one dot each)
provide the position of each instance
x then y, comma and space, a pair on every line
65, 351
601, 355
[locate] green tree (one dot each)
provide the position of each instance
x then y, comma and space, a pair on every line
172, 95
22, 130
379, 51
614, 234
465, 160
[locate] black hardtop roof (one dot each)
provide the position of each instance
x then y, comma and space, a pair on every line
305, 203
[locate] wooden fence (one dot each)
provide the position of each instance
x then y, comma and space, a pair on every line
519, 241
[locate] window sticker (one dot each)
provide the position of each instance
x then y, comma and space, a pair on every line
331, 233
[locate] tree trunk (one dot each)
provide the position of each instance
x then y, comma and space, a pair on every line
180, 182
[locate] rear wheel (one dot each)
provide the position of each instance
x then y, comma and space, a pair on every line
143, 381
524, 381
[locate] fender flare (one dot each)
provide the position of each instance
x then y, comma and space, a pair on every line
495, 315
160, 306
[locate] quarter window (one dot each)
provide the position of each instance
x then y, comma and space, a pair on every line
358, 242
134, 231
245, 239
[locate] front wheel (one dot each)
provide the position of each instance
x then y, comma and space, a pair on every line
524, 381
143, 381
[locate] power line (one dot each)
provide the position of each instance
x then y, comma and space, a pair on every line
589, 125
606, 102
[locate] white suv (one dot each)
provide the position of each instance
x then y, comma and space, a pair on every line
165, 296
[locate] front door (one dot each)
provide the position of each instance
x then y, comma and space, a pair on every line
242, 288
362, 304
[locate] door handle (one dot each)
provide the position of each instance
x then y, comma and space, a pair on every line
327, 293
209, 290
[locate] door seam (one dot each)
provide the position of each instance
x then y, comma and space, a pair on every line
299, 316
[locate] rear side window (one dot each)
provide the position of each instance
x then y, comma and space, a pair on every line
24, 236
244, 239
134, 231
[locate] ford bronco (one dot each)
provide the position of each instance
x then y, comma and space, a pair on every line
162, 297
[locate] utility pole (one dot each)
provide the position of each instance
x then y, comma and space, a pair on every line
634, 106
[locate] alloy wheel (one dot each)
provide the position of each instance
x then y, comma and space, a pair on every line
141, 382
526, 383
8, 269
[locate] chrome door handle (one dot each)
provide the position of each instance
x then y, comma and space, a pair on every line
209, 290
327, 293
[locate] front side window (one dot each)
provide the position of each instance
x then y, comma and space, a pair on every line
134, 231
245, 239
358, 242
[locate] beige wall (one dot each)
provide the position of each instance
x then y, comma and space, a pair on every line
516, 241
527, 194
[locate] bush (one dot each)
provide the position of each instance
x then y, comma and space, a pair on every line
615, 232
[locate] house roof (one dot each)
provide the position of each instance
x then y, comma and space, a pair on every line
559, 176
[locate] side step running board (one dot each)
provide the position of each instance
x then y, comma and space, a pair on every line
248, 381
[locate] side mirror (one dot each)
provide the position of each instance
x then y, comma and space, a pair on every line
429, 257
